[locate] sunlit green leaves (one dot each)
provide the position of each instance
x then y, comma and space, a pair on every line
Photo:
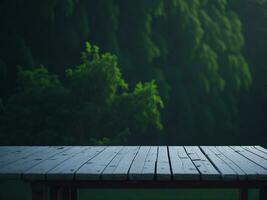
93, 105
37, 78
98, 76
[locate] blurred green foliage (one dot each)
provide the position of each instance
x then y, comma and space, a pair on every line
93, 106
205, 57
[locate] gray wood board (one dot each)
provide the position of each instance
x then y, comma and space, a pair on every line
253, 171
39, 171
149, 169
205, 167
251, 156
14, 170
133, 162
163, 170
13, 156
182, 166
143, 166
261, 149
93, 169
241, 174
7, 149
67, 169
226, 171
255, 151
119, 167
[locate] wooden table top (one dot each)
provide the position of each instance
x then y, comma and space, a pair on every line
157, 163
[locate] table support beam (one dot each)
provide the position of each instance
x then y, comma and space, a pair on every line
53, 193
39, 192
263, 193
243, 194
74, 193
65, 193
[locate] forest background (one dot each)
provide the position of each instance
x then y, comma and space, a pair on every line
180, 72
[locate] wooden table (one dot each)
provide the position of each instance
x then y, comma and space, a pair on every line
58, 171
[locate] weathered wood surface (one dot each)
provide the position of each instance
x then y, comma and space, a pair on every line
119, 167
92, 169
163, 170
205, 167
22, 165
253, 170
225, 170
144, 164
240, 173
134, 163
182, 166
67, 169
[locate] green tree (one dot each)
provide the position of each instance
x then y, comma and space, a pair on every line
94, 105
32, 114
253, 104
200, 55
105, 107
206, 69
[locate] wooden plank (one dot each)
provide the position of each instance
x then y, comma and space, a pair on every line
118, 168
149, 169
135, 172
121, 171
67, 169
39, 171
253, 171
241, 174
251, 156
10, 149
163, 170
92, 169
15, 170
182, 166
261, 149
255, 151
14, 156
205, 167
226, 171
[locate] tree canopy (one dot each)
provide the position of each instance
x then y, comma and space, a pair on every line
202, 59
93, 105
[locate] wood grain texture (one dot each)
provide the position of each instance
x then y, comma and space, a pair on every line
92, 169
133, 163
119, 167
261, 149
205, 167
240, 173
67, 169
163, 170
226, 171
16, 169
138, 163
182, 166
251, 156
252, 170
14, 156
10, 149
39, 171
148, 172
254, 150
